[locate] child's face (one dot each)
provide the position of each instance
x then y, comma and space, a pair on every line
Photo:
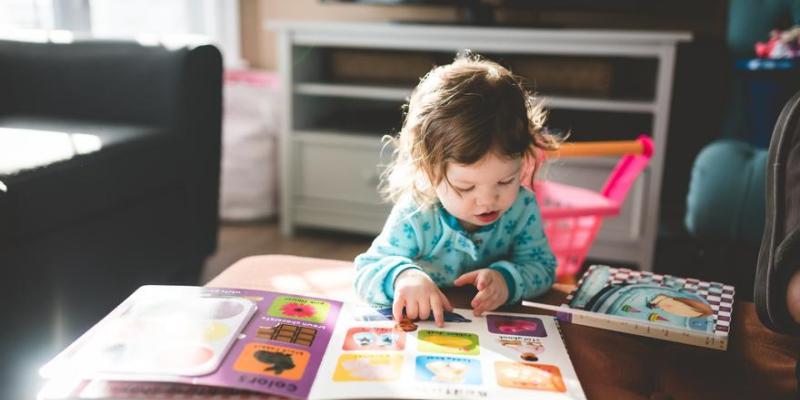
487, 189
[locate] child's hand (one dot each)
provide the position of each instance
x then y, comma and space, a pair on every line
492, 289
414, 290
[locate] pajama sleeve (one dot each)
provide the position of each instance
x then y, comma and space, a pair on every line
531, 268
392, 252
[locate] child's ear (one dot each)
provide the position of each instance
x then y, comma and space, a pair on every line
527, 171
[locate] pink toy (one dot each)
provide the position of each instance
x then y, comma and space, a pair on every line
572, 216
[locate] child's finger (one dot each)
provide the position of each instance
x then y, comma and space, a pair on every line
477, 311
476, 308
499, 301
436, 308
489, 303
411, 309
424, 308
492, 303
484, 294
397, 308
481, 298
465, 279
446, 302
483, 281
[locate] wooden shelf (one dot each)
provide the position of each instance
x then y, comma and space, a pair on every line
393, 93
374, 92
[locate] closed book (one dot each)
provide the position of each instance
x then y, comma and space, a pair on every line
683, 310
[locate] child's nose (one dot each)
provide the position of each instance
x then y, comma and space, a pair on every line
487, 198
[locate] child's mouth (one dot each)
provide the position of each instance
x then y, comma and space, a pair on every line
488, 216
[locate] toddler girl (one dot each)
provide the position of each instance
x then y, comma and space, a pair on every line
461, 216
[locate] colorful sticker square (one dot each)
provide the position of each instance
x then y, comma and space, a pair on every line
446, 342
451, 370
288, 333
520, 326
372, 338
522, 347
278, 361
299, 308
368, 367
529, 376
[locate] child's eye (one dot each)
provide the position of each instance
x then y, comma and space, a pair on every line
507, 182
469, 189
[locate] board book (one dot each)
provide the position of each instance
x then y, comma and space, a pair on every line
194, 340
683, 310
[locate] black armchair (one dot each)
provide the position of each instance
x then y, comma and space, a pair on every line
109, 179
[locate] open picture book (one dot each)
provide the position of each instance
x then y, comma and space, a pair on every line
683, 310
175, 338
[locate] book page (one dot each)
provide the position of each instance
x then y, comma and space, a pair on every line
497, 356
305, 347
165, 332
277, 351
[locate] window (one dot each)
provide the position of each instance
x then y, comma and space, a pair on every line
27, 14
218, 20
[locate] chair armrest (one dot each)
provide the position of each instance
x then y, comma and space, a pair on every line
176, 89
121, 81
726, 193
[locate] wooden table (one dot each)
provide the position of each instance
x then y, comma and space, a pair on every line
758, 364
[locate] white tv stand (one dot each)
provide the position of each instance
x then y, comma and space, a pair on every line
329, 174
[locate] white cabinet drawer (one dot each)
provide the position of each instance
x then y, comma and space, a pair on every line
338, 167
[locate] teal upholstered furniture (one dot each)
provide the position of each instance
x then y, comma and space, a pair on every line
724, 215
726, 193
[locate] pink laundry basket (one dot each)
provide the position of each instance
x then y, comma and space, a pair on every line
572, 215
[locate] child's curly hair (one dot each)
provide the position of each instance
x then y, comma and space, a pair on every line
458, 113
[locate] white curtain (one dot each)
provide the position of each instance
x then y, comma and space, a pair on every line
217, 20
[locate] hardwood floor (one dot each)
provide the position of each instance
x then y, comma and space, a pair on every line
238, 240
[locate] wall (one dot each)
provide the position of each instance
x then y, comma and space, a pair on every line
258, 43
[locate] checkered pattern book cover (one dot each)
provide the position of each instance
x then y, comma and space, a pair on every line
718, 296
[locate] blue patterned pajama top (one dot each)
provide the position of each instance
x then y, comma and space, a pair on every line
432, 240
